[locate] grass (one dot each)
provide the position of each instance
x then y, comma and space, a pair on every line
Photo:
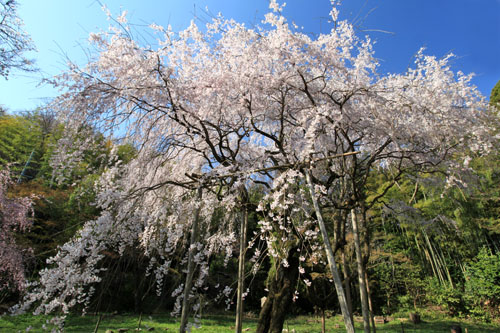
225, 323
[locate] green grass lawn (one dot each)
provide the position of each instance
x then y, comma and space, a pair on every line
225, 323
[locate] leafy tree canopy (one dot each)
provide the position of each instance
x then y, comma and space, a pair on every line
495, 95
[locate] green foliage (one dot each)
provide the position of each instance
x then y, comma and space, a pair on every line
482, 285
81, 199
126, 152
448, 298
26, 143
486, 199
495, 95
424, 236
56, 219
18, 138
398, 282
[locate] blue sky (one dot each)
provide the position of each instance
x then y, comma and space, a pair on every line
468, 28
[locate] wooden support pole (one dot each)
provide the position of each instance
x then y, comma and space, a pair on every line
241, 263
191, 264
331, 258
361, 273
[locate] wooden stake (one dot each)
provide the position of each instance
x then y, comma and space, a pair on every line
241, 264
191, 263
361, 273
331, 258
98, 323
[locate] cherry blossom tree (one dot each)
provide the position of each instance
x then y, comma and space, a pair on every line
213, 111
13, 40
14, 217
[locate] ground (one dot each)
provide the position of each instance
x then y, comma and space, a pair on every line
225, 323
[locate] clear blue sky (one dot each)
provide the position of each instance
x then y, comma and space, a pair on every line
468, 28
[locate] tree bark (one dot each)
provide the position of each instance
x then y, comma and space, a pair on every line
281, 288
361, 273
191, 264
331, 258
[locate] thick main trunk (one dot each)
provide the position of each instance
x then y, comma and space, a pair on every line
191, 265
281, 288
361, 274
331, 258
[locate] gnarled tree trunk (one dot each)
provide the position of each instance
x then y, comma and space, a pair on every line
281, 284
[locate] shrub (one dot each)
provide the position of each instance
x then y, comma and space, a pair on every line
449, 298
482, 285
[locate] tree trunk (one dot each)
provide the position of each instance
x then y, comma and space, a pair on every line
190, 272
331, 258
347, 283
361, 273
370, 305
241, 265
281, 286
